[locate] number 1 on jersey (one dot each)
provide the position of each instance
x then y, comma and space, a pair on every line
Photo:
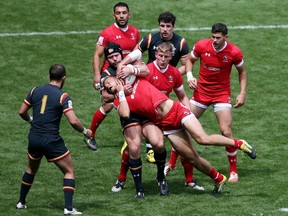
44, 102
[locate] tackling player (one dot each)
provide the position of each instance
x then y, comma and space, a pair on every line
176, 121
166, 78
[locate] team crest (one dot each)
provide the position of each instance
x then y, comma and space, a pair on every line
225, 59
170, 78
132, 36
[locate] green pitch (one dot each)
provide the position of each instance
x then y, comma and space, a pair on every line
36, 34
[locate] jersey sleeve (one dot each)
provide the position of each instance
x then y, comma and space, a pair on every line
178, 81
145, 43
103, 38
238, 57
196, 51
28, 99
184, 48
66, 103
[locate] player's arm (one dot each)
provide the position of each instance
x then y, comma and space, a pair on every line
182, 96
99, 51
132, 65
123, 107
23, 112
242, 76
184, 52
189, 66
76, 123
182, 67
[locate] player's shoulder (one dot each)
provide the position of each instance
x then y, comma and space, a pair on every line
233, 46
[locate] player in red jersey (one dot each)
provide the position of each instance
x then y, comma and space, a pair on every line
166, 78
217, 56
176, 121
127, 36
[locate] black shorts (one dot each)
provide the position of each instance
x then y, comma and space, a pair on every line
52, 147
133, 120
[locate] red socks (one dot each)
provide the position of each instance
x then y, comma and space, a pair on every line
232, 157
188, 170
173, 158
124, 166
215, 175
98, 117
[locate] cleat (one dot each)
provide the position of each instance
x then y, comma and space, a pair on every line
91, 143
194, 185
72, 212
248, 150
118, 186
150, 156
163, 187
19, 205
124, 146
219, 186
168, 168
139, 195
233, 177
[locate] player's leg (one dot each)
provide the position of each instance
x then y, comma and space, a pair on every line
133, 137
34, 160
97, 119
195, 129
182, 142
190, 181
156, 138
171, 165
66, 166
224, 116
124, 167
27, 180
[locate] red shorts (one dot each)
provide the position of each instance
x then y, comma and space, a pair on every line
172, 121
207, 100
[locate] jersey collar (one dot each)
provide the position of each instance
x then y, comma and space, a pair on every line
122, 29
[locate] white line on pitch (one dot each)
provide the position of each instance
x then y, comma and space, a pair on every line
141, 30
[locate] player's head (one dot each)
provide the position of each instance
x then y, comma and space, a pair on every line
220, 28
57, 73
167, 17
164, 53
113, 54
121, 14
219, 34
166, 22
109, 83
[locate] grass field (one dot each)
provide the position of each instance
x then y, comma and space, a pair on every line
29, 44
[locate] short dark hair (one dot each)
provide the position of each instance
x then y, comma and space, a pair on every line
167, 17
121, 4
112, 48
220, 27
56, 72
